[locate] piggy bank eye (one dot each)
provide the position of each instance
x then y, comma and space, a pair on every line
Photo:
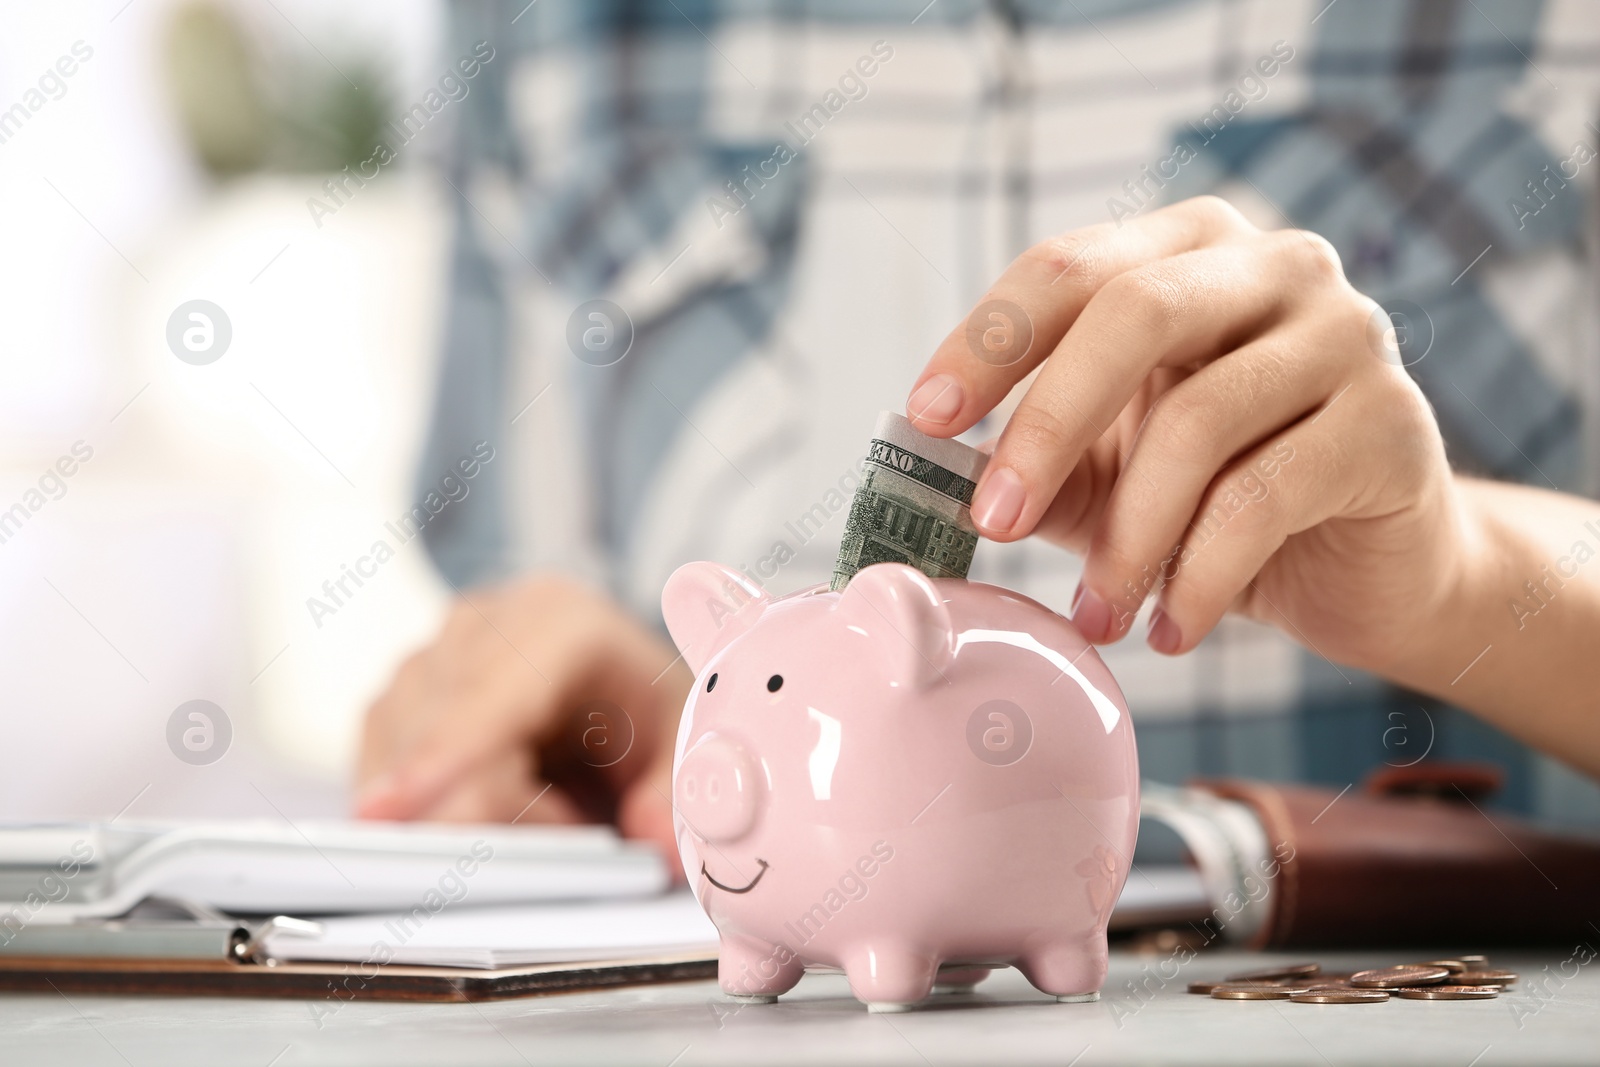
711, 683
775, 683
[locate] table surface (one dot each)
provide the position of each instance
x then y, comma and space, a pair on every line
1144, 1016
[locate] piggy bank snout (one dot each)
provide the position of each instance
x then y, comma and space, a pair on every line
716, 790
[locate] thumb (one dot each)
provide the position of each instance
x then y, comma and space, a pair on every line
645, 813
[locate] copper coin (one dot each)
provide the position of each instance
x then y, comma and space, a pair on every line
1393, 977
1273, 974
1453, 966
1484, 976
1330, 978
1340, 995
1448, 992
1251, 991
1474, 962
1203, 987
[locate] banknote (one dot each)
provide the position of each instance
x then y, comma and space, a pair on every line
912, 505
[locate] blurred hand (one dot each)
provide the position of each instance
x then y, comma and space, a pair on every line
539, 701
1213, 424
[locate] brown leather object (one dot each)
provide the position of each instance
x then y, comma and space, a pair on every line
1454, 781
1415, 869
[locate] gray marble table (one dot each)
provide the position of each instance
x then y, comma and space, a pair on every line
1144, 1017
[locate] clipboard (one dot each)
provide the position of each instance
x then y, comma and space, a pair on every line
339, 983
178, 948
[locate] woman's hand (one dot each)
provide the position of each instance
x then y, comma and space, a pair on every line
540, 701
1214, 423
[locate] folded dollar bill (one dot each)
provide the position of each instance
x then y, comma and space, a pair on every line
912, 505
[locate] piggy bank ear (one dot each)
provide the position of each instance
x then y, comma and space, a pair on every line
901, 609
706, 605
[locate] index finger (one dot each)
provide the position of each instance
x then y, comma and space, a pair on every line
1026, 313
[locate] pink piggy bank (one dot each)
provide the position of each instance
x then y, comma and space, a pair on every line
915, 781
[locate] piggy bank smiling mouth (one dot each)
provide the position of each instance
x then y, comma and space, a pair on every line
730, 889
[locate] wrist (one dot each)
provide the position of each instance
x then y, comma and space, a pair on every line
1452, 632
1448, 602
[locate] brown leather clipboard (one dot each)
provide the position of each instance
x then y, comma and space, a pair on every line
339, 981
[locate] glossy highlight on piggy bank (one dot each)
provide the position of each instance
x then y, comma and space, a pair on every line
914, 780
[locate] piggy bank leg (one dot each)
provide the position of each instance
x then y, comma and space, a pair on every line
756, 972
890, 978
1070, 971
959, 979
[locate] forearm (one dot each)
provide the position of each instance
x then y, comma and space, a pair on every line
1519, 639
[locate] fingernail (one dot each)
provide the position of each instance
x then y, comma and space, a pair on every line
377, 797
999, 502
937, 400
1091, 615
1164, 636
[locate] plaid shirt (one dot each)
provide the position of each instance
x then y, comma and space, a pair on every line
794, 201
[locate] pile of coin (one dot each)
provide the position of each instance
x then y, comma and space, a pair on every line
1463, 978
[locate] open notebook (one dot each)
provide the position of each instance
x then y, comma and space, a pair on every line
499, 937
487, 897
63, 873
